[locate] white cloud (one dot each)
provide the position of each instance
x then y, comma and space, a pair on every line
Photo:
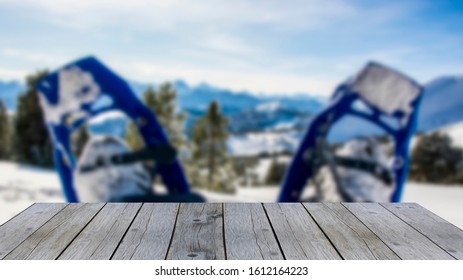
30, 56
12, 74
228, 44
255, 81
240, 44
184, 13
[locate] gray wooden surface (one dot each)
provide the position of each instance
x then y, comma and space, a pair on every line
198, 233
404, 240
149, 235
448, 237
299, 235
229, 231
349, 235
246, 226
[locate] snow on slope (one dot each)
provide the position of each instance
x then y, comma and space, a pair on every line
268, 107
267, 142
442, 103
22, 185
455, 132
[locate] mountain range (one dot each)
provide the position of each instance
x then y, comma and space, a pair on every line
266, 120
238, 106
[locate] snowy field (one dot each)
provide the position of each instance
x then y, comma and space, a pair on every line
22, 185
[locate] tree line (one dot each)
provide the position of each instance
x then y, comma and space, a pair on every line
24, 136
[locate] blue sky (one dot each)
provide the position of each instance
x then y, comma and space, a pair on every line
269, 46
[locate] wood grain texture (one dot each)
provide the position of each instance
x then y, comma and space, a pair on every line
352, 239
102, 235
229, 231
198, 233
54, 236
150, 233
441, 232
298, 234
404, 240
248, 234
16, 230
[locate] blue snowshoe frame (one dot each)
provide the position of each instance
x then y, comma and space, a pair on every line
341, 105
123, 99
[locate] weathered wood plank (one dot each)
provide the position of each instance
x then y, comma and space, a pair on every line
248, 234
404, 240
198, 233
352, 239
102, 235
16, 230
54, 236
443, 233
150, 233
298, 234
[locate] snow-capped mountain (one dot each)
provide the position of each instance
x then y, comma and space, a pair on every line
263, 143
194, 101
269, 107
270, 116
247, 111
197, 98
442, 103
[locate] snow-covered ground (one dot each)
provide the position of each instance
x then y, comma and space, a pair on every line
22, 185
445, 201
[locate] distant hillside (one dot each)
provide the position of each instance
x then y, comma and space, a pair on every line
442, 103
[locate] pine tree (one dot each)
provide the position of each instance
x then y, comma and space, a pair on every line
5, 133
78, 140
133, 137
435, 160
210, 134
276, 172
163, 103
32, 143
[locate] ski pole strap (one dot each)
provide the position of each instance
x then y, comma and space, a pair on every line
373, 168
161, 154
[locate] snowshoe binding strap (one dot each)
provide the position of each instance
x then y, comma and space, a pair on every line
381, 172
162, 154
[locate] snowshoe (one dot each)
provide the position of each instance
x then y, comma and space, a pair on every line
381, 96
73, 95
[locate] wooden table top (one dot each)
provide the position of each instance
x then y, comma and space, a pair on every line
229, 231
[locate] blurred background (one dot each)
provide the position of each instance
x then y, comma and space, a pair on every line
257, 71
